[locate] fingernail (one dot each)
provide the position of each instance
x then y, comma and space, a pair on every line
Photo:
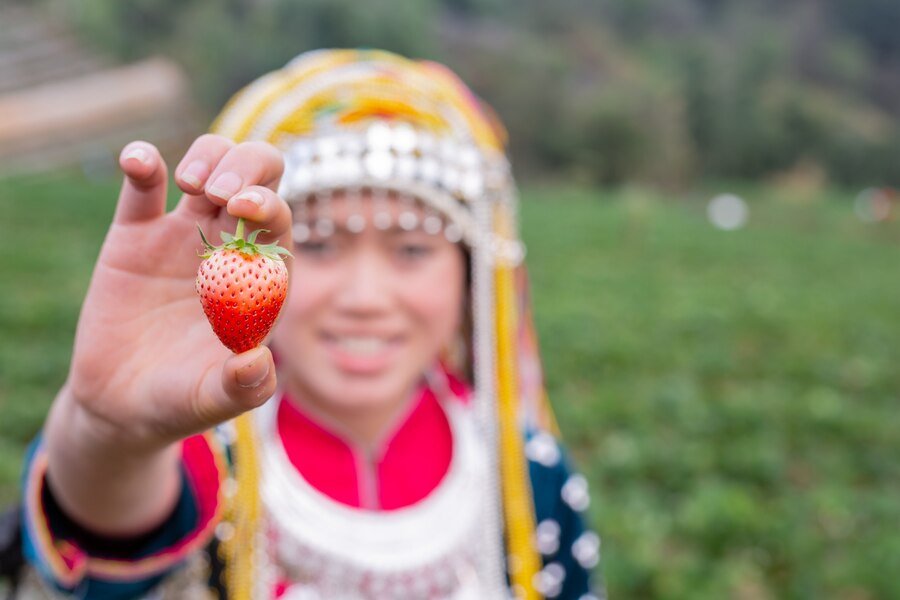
254, 197
225, 186
137, 153
195, 174
253, 373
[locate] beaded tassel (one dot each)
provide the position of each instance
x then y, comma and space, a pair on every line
240, 549
518, 506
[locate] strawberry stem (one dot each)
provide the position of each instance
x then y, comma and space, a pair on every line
237, 242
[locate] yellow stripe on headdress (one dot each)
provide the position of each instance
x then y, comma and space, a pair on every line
373, 75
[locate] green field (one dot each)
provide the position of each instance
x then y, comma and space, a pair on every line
731, 396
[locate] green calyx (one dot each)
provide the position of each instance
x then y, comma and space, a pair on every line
238, 243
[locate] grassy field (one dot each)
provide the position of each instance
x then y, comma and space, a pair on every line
731, 396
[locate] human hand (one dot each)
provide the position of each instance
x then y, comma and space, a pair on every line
147, 369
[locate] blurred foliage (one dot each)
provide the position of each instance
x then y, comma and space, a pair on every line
661, 91
731, 396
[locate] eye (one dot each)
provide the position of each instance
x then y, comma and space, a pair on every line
316, 248
412, 251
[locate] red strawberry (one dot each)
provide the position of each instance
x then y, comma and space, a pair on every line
242, 286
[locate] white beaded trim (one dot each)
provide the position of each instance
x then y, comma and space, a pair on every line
337, 549
452, 177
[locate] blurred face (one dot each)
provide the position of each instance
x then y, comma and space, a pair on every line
367, 312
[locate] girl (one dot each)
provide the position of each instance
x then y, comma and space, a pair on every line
394, 443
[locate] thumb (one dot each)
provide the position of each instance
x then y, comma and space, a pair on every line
245, 382
143, 194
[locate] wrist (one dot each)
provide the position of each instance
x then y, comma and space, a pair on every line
86, 428
102, 482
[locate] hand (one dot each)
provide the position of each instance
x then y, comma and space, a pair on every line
147, 369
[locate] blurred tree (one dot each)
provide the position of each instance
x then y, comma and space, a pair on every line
876, 22
654, 90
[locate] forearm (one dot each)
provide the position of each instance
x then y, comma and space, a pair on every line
102, 483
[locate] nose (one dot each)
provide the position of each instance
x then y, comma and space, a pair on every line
365, 287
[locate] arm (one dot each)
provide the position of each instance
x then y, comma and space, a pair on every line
109, 491
74, 559
147, 371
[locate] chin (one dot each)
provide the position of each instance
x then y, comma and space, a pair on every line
361, 392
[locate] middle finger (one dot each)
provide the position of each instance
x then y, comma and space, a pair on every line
245, 165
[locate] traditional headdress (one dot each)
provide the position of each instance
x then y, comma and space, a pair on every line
353, 120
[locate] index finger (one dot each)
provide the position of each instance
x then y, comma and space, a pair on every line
205, 153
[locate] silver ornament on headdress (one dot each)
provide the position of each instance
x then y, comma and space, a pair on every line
448, 176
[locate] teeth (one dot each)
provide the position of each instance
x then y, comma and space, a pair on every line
361, 345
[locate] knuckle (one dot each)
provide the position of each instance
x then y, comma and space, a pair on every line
215, 139
265, 151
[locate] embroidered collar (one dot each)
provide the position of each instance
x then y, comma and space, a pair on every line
402, 469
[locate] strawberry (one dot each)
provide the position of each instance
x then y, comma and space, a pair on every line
242, 286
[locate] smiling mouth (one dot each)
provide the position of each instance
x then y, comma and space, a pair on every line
361, 345
362, 354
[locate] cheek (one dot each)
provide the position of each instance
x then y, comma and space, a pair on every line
308, 290
437, 299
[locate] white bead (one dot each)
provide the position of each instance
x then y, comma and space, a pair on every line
450, 179
329, 171
472, 184
301, 232
317, 172
301, 179
229, 487
432, 224
547, 536
353, 145
469, 157
378, 136
324, 227
586, 549
327, 147
226, 433
515, 252
382, 220
453, 233
301, 151
575, 493
404, 138
356, 223
407, 221
379, 164
449, 150
429, 170
542, 449
350, 168
556, 570
406, 167
549, 580
224, 531
426, 143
